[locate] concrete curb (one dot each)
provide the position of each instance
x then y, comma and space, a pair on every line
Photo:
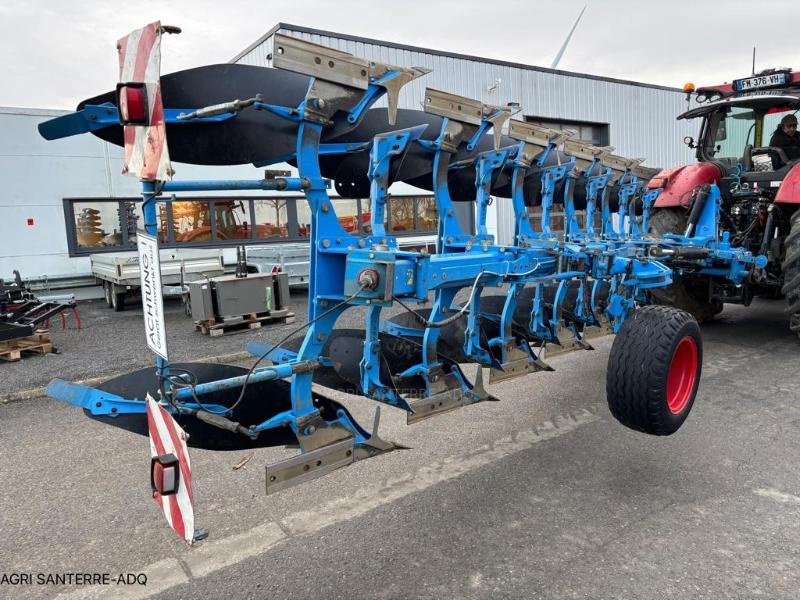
38, 392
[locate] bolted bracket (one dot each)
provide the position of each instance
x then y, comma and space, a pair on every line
341, 69
536, 142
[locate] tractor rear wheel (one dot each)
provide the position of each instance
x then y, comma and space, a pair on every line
791, 273
687, 293
654, 369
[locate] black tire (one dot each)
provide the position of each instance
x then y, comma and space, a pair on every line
791, 273
118, 301
107, 294
654, 369
687, 293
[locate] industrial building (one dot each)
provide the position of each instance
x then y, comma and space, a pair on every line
67, 199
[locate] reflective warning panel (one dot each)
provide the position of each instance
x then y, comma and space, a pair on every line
140, 107
170, 470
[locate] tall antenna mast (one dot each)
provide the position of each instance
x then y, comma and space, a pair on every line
557, 59
754, 60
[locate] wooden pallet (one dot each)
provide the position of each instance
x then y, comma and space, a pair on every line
238, 324
38, 343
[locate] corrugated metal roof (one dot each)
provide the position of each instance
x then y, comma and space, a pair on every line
641, 118
370, 41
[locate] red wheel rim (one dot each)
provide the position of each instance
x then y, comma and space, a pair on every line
682, 374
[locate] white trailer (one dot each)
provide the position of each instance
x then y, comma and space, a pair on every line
292, 259
118, 272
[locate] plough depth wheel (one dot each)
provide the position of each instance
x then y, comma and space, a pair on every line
654, 369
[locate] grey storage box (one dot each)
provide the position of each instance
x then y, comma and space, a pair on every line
221, 298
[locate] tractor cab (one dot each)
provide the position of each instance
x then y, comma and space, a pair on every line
745, 154
739, 121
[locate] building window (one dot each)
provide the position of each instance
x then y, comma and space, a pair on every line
109, 224
191, 221
594, 133
350, 212
404, 215
96, 225
271, 218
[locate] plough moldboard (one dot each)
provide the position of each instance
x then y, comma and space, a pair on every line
559, 287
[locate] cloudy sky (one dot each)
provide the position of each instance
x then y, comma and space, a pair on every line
56, 53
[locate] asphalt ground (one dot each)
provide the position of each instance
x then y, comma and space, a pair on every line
541, 495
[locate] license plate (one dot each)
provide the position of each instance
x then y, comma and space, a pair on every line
761, 81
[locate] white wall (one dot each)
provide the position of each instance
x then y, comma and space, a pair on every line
38, 174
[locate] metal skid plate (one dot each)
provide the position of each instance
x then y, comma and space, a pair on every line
336, 66
448, 395
619, 164
303, 57
585, 154
644, 173
467, 110
536, 134
570, 345
517, 368
452, 106
536, 137
439, 403
310, 465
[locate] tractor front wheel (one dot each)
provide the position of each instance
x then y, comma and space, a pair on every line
791, 273
654, 369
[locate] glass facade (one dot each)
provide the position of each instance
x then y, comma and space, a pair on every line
110, 224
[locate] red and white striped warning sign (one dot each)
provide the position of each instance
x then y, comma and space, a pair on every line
146, 154
167, 438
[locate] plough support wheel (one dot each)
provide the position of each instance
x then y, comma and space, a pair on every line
654, 369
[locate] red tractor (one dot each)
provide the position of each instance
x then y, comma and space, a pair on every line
758, 175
